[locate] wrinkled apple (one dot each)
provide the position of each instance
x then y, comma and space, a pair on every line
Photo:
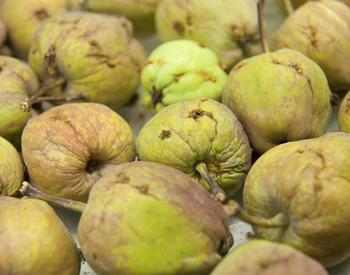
68, 148
306, 183
202, 138
278, 97
92, 54
178, 71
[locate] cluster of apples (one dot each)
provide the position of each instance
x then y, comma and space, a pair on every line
226, 112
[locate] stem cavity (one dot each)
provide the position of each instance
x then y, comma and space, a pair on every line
28, 190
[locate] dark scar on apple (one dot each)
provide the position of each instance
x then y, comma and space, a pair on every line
41, 14
197, 113
165, 134
179, 27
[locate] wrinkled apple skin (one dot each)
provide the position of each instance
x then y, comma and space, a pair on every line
308, 182
68, 148
34, 240
185, 134
22, 18
96, 55
267, 258
148, 218
17, 81
344, 114
11, 169
321, 31
140, 12
279, 96
229, 28
181, 70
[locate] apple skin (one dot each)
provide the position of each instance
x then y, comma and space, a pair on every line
321, 31
11, 169
344, 114
68, 148
34, 240
278, 97
267, 258
308, 183
229, 28
139, 12
23, 17
178, 71
17, 82
148, 218
94, 54
184, 134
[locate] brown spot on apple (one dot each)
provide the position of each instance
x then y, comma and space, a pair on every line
179, 27
197, 113
165, 134
41, 14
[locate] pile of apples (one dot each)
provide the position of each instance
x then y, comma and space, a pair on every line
230, 107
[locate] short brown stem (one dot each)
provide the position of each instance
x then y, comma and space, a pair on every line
288, 6
28, 190
215, 189
59, 98
27, 104
232, 208
264, 44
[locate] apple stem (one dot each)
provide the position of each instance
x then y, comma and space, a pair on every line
264, 44
27, 104
289, 6
59, 98
215, 189
28, 190
232, 208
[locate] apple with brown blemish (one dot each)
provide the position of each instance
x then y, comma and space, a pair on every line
68, 148
90, 54
321, 31
278, 97
148, 218
229, 28
307, 184
202, 138
181, 70
22, 18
